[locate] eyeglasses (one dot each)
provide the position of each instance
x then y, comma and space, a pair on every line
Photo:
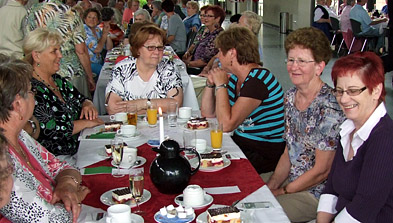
33, 91
206, 15
300, 62
153, 48
350, 92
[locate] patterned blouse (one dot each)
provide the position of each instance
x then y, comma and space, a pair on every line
114, 31
33, 188
92, 42
206, 48
317, 127
125, 77
55, 15
56, 117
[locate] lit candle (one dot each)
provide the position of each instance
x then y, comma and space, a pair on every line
161, 119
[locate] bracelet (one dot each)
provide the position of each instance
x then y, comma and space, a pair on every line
221, 86
73, 178
285, 190
210, 85
33, 125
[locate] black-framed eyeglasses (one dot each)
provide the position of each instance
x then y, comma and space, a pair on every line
350, 92
153, 48
300, 62
207, 15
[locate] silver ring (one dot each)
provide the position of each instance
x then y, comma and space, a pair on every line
79, 204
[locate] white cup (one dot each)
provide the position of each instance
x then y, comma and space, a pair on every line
185, 112
130, 155
200, 145
119, 213
127, 130
120, 117
193, 195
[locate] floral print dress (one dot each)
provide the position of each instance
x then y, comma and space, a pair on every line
57, 117
317, 127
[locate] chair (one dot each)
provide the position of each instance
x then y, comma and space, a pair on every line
356, 29
336, 31
190, 38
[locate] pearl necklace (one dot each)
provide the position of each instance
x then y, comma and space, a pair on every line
46, 84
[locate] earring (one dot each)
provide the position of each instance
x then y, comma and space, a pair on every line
38, 64
216, 25
231, 62
21, 118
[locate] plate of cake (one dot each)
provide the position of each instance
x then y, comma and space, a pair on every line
122, 195
212, 162
170, 214
139, 162
197, 124
224, 214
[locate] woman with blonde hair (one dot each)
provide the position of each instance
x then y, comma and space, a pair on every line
60, 109
192, 22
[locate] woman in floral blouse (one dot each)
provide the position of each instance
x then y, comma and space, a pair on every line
61, 110
312, 121
45, 189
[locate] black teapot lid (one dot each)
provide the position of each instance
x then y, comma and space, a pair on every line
169, 148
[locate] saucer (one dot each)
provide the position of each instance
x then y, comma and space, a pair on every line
106, 198
137, 134
208, 149
139, 159
163, 219
208, 200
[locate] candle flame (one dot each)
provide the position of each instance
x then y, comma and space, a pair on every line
160, 110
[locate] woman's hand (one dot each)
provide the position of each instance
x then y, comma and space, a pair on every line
194, 29
218, 76
89, 111
106, 28
278, 192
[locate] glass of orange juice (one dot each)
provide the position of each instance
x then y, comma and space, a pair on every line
216, 135
152, 114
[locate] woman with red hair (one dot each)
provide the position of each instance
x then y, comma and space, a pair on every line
360, 183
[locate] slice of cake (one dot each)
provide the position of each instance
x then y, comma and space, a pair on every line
212, 160
223, 215
197, 123
112, 126
121, 196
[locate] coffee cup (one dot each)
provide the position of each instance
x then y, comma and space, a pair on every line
120, 117
119, 213
200, 145
193, 195
129, 157
185, 112
127, 130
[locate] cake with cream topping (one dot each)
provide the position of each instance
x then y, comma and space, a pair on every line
121, 196
197, 123
223, 215
212, 160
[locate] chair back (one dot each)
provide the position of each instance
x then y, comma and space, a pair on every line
356, 27
335, 24
190, 38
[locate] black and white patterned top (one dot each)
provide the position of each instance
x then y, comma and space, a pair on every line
126, 82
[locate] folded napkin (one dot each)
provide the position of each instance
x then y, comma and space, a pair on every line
222, 190
102, 135
97, 170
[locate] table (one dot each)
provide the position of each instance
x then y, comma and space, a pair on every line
240, 173
189, 97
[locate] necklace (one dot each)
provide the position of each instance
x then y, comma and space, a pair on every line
20, 151
46, 83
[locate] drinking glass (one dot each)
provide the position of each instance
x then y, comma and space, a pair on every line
216, 135
132, 115
172, 114
117, 154
152, 114
136, 177
189, 137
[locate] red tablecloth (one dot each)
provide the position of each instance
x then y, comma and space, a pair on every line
240, 173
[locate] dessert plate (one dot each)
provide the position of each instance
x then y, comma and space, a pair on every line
185, 127
244, 216
106, 198
163, 219
227, 162
208, 200
139, 160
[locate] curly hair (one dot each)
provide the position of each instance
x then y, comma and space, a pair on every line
107, 14
310, 38
5, 171
241, 39
92, 10
15, 76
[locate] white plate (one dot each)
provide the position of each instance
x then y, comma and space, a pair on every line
208, 200
137, 134
244, 216
208, 149
106, 198
142, 161
227, 162
163, 219
185, 127
135, 218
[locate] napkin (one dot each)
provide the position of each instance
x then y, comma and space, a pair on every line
97, 170
89, 214
102, 135
222, 190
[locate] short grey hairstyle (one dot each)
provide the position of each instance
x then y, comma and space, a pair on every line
157, 4
254, 21
193, 5
143, 12
39, 40
111, 3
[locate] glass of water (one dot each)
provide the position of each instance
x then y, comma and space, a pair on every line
172, 113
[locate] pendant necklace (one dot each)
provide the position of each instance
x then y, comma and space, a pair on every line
46, 84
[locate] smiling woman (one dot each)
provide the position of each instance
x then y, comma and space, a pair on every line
144, 76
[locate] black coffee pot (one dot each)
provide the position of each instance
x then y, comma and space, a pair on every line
170, 172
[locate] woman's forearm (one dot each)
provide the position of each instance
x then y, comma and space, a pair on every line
71, 176
101, 43
208, 106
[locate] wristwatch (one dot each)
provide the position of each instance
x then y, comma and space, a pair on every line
221, 86
148, 102
33, 125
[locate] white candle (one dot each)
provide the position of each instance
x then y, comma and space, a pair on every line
161, 119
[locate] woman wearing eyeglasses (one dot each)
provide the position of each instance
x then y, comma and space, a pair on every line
312, 120
144, 76
360, 183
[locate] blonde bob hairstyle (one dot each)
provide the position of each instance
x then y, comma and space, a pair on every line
193, 5
243, 41
142, 35
39, 40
